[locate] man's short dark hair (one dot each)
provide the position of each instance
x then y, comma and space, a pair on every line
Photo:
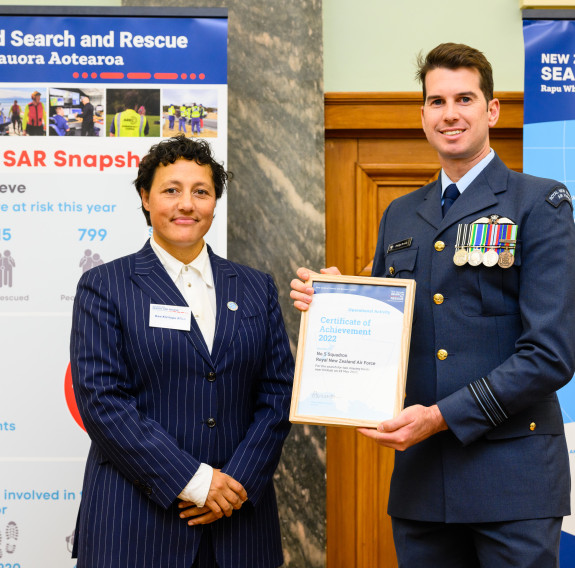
455, 56
130, 99
172, 149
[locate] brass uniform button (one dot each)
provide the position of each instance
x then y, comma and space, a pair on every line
532, 426
439, 246
442, 354
391, 270
438, 298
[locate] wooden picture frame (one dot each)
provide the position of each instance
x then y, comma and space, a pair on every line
351, 363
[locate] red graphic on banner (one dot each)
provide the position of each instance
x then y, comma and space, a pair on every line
71, 399
111, 75
165, 76
143, 76
137, 75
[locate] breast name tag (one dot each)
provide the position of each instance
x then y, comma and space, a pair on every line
171, 317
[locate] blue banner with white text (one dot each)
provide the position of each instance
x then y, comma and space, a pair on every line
120, 50
84, 94
549, 151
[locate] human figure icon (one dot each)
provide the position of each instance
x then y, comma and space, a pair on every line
7, 264
97, 260
86, 262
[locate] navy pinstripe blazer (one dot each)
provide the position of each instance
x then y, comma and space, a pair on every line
145, 395
510, 339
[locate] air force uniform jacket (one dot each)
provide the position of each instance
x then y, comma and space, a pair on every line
156, 404
508, 336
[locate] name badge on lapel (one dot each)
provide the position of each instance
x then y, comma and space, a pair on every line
171, 317
400, 245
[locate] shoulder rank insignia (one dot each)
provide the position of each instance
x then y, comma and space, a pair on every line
559, 194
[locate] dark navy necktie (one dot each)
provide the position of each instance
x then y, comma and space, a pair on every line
449, 196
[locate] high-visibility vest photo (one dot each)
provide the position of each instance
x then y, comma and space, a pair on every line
129, 123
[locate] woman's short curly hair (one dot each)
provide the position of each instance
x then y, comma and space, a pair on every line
176, 148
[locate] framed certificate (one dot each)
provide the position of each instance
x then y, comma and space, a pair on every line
353, 349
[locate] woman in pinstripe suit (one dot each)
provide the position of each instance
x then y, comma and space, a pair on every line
182, 371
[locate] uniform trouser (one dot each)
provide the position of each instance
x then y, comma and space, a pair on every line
514, 544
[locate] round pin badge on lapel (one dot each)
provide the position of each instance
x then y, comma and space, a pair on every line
232, 306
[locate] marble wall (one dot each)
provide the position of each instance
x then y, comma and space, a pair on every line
276, 202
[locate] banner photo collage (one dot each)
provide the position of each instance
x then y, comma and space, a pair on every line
549, 151
83, 96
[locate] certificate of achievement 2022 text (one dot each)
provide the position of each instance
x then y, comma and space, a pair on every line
351, 367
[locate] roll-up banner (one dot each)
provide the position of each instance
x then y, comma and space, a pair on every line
549, 151
84, 93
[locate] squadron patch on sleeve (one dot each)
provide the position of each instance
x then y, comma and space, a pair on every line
559, 194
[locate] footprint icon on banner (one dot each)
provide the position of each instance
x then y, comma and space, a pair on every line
11, 537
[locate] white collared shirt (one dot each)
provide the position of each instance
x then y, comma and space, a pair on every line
469, 177
195, 281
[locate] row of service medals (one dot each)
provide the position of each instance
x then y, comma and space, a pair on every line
489, 241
